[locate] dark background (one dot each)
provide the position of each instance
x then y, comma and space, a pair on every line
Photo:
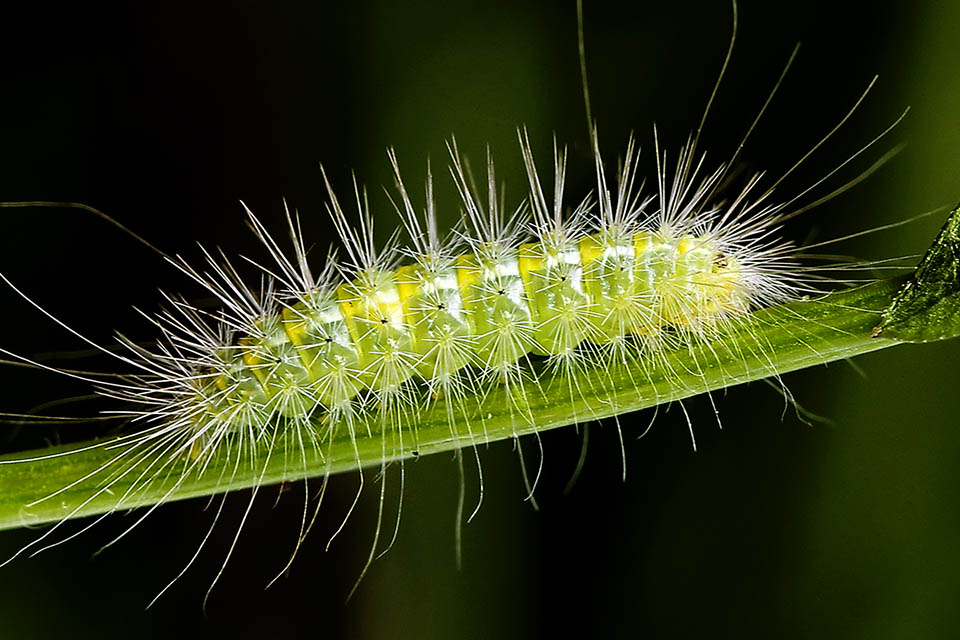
164, 115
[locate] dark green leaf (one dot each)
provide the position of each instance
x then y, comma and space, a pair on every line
927, 307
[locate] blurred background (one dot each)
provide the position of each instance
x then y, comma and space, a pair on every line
165, 115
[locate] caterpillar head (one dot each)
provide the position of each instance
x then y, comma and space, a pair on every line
725, 286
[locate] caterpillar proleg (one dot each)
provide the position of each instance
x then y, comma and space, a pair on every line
565, 290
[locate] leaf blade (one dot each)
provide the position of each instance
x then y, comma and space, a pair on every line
927, 307
771, 342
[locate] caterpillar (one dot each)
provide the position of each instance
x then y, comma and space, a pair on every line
621, 279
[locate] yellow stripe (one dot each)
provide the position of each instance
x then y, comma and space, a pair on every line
529, 258
295, 326
590, 250
467, 274
642, 242
348, 307
252, 361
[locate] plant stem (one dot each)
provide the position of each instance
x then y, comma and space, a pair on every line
773, 341
770, 342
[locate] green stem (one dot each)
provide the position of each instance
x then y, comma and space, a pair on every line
775, 341
769, 342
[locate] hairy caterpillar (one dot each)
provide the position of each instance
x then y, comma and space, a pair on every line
671, 336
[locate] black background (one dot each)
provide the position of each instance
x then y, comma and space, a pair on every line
165, 115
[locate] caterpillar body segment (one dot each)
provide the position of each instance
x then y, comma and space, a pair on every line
439, 322
501, 320
318, 330
560, 307
373, 311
